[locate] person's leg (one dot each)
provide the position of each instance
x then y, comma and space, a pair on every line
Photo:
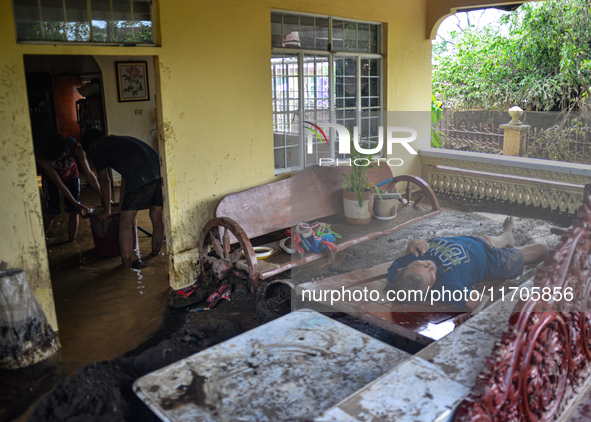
73, 186
47, 221
157, 228
534, 254
73, 223
506, 240
51, 203
126, 235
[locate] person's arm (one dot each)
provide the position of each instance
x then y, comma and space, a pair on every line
57, 181
105, 183
417, 247
83, 163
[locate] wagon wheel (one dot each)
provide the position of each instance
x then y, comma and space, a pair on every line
216, 236
414, 190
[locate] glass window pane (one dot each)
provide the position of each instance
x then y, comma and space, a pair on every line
350, 39
286, 109
291, 31
276, 35
127, 25
54, 20
363, 38
27, 19
280, 161
142, 10
307, 32
316, 93
337, 35
102, 27
322, 33
374, 40
345, 82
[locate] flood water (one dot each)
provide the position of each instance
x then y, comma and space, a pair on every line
103, 309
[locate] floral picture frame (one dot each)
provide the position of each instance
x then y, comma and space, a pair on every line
132, 81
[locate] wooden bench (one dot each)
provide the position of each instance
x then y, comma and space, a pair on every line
313, 193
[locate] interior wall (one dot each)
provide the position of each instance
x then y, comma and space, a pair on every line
129, 118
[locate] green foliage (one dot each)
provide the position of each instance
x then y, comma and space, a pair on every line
565, 141
537, 57
436, 116
356, 180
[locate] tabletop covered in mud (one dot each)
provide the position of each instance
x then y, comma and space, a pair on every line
291, 369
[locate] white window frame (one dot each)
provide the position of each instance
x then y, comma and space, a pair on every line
332, 56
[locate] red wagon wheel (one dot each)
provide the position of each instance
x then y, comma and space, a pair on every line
218, 236
414, 190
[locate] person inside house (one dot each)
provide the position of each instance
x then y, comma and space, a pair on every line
459, 263
141, 186
60, 159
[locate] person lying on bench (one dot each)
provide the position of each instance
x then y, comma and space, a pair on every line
458, 263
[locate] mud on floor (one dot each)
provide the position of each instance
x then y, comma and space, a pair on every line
102, 390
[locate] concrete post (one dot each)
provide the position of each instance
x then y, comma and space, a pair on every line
515, 138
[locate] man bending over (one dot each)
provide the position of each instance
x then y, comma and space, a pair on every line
141, 186
458, 263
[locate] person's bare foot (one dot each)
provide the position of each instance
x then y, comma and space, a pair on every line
507, 235
506, 240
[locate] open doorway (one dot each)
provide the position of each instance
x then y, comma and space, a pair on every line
103, 309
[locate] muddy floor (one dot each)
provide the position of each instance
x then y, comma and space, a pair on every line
118, 324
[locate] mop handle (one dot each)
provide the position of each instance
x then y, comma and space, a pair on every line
384, 182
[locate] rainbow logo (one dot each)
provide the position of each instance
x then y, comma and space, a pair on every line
316, 129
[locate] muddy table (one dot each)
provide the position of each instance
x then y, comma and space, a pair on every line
291, 369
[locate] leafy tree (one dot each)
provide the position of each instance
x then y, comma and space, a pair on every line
537, 57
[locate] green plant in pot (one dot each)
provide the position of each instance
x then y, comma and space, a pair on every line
358, 192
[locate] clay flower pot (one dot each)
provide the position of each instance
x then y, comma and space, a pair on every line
355, 214
386, 206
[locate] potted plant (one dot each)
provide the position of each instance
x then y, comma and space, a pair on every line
358, 192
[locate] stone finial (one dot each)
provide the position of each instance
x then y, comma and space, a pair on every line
515, 113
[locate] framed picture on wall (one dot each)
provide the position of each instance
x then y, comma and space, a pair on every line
132, 81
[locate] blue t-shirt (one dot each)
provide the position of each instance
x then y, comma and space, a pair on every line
461, 263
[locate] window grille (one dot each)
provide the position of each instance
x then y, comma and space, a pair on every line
323, 70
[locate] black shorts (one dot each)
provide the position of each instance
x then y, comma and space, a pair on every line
144, 197
51, 196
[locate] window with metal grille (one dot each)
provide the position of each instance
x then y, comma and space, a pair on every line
324, 70
85, 21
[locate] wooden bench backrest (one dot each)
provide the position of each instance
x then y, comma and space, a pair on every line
313, 193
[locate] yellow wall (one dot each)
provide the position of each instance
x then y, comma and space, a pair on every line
213, 84
216, 98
